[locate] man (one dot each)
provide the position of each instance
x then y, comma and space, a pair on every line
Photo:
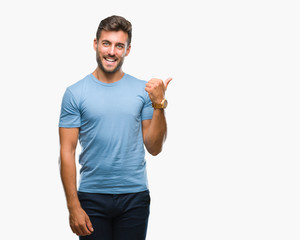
113, 115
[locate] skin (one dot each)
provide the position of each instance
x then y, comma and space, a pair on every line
112, 45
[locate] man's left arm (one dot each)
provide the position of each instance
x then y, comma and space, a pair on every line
155, 129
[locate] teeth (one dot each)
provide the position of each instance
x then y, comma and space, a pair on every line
110, 60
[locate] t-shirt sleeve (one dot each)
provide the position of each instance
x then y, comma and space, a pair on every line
70, 113
147, 110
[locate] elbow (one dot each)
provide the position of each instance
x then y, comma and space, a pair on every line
155, 152
154, 147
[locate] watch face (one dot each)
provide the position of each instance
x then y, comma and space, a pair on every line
165, 103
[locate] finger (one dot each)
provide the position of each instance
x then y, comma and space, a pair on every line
78, 231
84, 230
167, 81
89, 224
73, 230
153, 80
150, 84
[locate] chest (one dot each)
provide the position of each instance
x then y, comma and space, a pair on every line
111, 104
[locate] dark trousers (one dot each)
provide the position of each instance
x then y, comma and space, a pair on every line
116, 216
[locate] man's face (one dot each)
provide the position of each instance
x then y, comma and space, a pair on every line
111, 49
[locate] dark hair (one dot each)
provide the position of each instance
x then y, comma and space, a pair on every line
115, 23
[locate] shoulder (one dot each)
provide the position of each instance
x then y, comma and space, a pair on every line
78, 87
136, 81
79, 84
74, 92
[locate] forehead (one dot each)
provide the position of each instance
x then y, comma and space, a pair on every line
114, 36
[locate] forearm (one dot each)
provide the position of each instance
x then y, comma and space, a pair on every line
157, 132
68, 177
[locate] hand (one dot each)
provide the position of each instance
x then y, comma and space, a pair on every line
156, 89
80, 222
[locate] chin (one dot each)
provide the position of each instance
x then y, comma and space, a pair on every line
110, 70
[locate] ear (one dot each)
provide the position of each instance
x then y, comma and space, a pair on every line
128, 50
95, 44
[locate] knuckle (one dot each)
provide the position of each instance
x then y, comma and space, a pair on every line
81, 224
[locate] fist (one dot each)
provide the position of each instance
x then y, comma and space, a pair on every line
156, 89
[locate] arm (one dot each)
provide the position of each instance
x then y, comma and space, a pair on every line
155, 130
79, 220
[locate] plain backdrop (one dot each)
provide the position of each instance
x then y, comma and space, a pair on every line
230, 165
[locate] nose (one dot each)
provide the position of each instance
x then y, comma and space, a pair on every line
111, 50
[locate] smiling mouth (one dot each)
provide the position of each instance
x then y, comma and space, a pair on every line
109, 59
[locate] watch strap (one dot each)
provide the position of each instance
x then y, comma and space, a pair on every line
161, 105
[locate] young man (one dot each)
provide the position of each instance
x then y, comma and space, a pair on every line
113, 115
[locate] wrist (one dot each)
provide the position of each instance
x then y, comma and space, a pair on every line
157, 100
159, 110
161, 105
74, 206
73, 203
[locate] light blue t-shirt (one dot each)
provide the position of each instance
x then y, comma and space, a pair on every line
109, 117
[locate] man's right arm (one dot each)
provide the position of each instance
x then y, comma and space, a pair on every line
79, 220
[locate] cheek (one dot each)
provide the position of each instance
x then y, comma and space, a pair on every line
124, 53
100, 50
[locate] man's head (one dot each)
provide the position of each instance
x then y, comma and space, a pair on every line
112, 43
115, 23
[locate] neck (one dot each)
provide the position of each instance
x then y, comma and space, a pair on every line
108, 77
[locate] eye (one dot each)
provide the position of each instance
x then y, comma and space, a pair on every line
120, 46
106, 44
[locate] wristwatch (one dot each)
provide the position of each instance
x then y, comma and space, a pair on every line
162, 105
